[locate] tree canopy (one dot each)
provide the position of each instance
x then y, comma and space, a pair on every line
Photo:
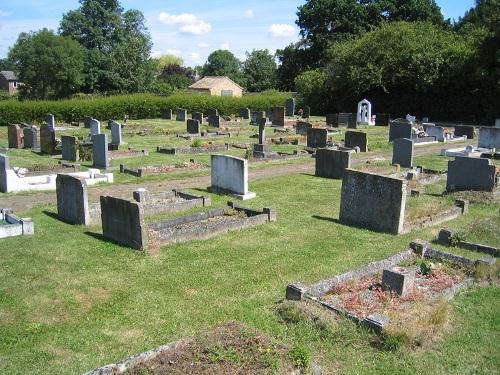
224, 63
260, 70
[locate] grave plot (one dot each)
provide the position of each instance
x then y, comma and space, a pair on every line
169, 201
464, 239
13, 226
391, 288
206, 134
129, 153
204, 148
192, 165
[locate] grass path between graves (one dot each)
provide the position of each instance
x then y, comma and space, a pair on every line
70, 302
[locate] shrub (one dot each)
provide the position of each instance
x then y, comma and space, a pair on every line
137, 106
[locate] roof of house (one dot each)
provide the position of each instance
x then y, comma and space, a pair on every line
8, 75
211, 82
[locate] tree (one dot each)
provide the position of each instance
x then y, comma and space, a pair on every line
224, 63
312, 86
292, 61
167, 60
260, 70
118, 46
49, 65
6, 64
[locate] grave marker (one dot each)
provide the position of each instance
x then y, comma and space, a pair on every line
332, 163
70, 150
214, 120
31, 137
15, 136
477, 174
166, 114
229, 173
100, 151
193, 126
364, 115
317, 138
489, 137
307, 112
290, 107
181, 114
399, 129
356, 139
278, 116
116, 133
72, 200
47, 139
402, 152
51, 121
198, 116
244, 113
95, 127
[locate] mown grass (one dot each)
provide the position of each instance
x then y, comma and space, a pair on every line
70, 301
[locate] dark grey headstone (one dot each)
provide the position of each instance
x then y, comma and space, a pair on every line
212, 112
356, 139
399, 280
402, 152
399, 129
4, 166
214, 120
466, 173
256, 116
306, 112
47, 139
181, 114
290, 107
198, 116
317, 138
244, 113
262, 133
116, 133
100, 151
332, 163
352, 121
166, 114
193, 126
31, 137
51, 121
69, 148
72, 200
123, 222
332, 120
302, 127
344, 119
278, 116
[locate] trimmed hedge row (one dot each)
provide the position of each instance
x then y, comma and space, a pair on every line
136, 106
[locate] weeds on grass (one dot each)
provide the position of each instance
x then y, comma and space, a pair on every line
300, 356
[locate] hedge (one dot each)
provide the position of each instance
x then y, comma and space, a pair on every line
136, 106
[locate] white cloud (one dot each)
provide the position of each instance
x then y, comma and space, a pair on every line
281, 30
174, 52
203, 45
225, 46
249, 13
188, 23
194, 56
4, 13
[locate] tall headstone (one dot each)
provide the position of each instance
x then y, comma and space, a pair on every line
166, 114
302, 127
181, 114
332, 163
344, 119
116, 133
364, 114
464, 173
47, 139
214, 120
212, 112
399, 129
198, 116
317, 138
256, 116
356, 139
15, 135
332, 120
230, 174
4, 168
72, 200
307, 112
193, 126
100, 151
279, 116
31, 137
261, 150
489, 137
95, 127
435, 131
351, 121
70, 150
402, 152
51, 121
244, 113
290, 107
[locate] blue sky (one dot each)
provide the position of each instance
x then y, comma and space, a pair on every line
188, 28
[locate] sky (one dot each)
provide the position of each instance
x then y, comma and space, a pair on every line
191, 29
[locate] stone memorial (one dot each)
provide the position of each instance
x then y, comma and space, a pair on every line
332, 163
364, 114
302, 127
477, 174
70, 150
400, 129
166, 114
51, 121
489, 137
256, 116
402, 152
290, 107
116, 133
261, 150
373, 201
214, 121
72, 200
435, 131
230, 174
95, 127
306, 112
15, 136
332, 120
198, 116
244, 113
356, 139
212, 112
31, 137
193, 126
47, 139
317, 138
100, 151
278, 116
181, 114
399, 280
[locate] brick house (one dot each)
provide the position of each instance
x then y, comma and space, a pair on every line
8, 81
217, 86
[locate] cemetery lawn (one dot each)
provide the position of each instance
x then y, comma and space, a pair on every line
70, 302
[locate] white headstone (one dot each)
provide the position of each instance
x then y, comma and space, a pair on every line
51, 121
230, 174
497, 123
411, 119
364, 116
116, 133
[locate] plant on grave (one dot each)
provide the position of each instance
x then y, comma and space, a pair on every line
220, 353
300, 356
456, 238
426, 267
197, 143
248, 154
85, 153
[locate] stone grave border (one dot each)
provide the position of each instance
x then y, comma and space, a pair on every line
15, 226
445, 237
204, 134
153, 203
378, 322
129, 153
155, 169
192, 150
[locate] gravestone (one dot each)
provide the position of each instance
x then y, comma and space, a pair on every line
212, 112
70, 150
95, 127
214, 120
497, 123
166, 114
244, 113
256, 116
198, 116
399, 129
100, 151
261, 150
364, 115
4, 167
382, 119
356, 139
86, 122
332, 120
229, 173
278, 116
489, 137
31, 137
351, 121
72, 200
116, 133
123, 222
302, 127
51, 121
269, 115
372, 201
402, 152
399, 280
307, 112
435, 131
462, 130
332, 163
181, 114
317, 138
47, 139
15, 136
411, 119
290, 107
347, 120
465, 173
193, 126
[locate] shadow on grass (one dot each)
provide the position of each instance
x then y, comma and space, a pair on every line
324, 218
52, 215
308, 174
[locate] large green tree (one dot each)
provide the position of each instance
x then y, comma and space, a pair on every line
260, 70
49, 65
117, 42
224, 63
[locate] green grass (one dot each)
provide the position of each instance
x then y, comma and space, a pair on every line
70, 302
